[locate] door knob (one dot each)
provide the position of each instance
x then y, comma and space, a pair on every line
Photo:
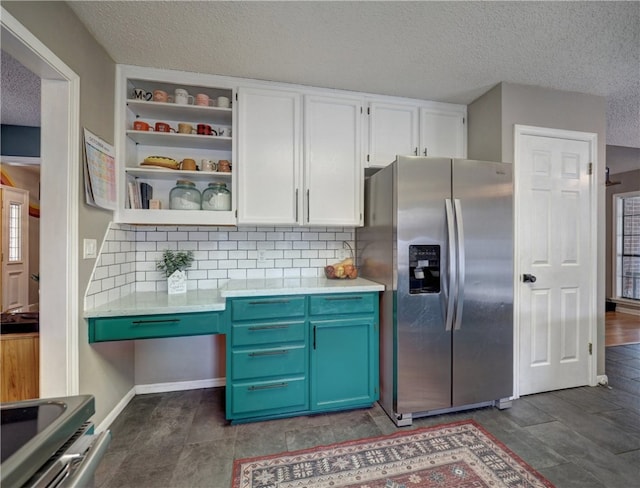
528, 278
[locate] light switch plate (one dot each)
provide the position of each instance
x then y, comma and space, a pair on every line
90, 248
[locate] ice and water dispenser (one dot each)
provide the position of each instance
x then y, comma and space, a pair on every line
424, 269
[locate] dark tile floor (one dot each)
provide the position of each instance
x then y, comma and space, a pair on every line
582, 437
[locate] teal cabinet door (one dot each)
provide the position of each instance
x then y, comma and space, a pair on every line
343, 363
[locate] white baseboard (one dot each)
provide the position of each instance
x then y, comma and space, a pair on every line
117, 410
179, 386
630, 311
156, 388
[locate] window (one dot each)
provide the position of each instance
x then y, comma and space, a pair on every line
627, 245
15, 232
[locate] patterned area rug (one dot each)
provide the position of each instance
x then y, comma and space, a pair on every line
460, 455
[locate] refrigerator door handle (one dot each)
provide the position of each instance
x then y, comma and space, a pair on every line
451, 238
461, 263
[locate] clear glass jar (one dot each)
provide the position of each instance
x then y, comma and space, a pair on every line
185, 196
216, 197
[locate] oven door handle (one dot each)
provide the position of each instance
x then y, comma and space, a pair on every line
83, 475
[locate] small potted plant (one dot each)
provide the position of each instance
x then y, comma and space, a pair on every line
173, 264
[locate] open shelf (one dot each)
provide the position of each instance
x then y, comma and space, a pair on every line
172, 111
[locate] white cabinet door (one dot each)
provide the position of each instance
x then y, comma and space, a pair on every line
269, 162
442, 133
333, 171
393, 130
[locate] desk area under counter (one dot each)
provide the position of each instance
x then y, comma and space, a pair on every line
293, 346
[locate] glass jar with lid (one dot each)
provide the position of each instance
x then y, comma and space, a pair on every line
185, 196
216, 197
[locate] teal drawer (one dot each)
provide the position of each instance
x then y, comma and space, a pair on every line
154, 326
262, 398
267, 308
260, 363
339, 303
264, 333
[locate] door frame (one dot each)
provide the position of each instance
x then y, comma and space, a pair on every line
592, 139
60, 144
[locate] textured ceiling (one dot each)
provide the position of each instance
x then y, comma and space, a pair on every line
19, 93
445, 51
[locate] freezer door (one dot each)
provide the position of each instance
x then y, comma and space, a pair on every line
423, 345
483, 326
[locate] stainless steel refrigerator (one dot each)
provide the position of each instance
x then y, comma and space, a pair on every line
438, 233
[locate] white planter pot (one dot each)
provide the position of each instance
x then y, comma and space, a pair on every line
177, 283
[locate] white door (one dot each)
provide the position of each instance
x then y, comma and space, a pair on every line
333, 171
269, 157
15, 248
393, 130
553, 235
442, 134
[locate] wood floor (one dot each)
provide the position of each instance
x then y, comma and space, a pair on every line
621, 328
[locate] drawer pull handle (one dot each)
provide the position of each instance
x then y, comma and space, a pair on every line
269, 302
268, 327
268, 387
151, 322
268, 353
335, 299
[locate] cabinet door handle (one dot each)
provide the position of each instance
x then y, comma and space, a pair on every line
269, 327
269, 302
425, 151
152, 322
314, 336
268, 353
415, 151
268, 387
335, 299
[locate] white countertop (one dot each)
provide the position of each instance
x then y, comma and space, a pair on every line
149, 302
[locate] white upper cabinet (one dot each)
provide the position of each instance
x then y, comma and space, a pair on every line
134, 144
436, 129
442, 133
269, 156
333, 171
393, 130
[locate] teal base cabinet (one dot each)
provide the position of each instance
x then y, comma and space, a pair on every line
301, 354
124, 328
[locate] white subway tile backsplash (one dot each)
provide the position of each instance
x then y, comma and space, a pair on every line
127, 261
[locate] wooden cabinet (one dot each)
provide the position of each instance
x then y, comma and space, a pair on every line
344, 351
442, 133
133, 146
20, 366
269, 156
300, 354
393, 130
333, 172
155, 326
282, 181
267, 359
415, 129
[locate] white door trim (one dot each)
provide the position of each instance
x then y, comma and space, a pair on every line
59, 350
592, 139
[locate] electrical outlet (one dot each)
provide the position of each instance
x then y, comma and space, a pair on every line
262, 256
90, 248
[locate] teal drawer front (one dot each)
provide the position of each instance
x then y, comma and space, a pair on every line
267, 308
265, 333
154, 326
343, 303
259, 398
260, 363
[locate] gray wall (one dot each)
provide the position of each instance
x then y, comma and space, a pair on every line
627, 159
106, 370
20, 140
543, 107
